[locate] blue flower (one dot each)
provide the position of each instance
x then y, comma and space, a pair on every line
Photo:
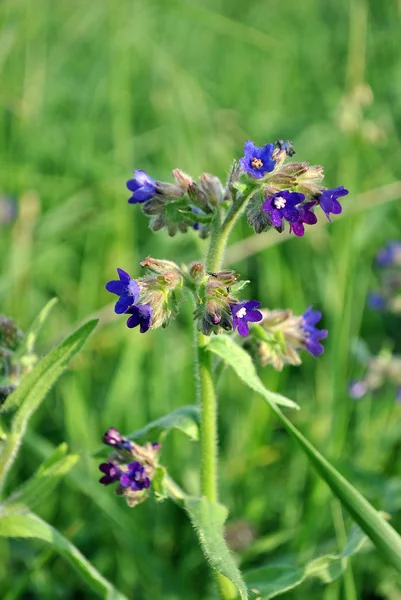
257, 161
113, 438
305, 215
136, 478
112, 472
329, 202
286, 145
283, 205
141, 315
243, 313
386, 256
143, 187
126, 288
311, 333
398, 396
376, 301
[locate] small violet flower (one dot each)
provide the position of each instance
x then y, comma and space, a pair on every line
112, 473
143, 187
257, 161
113, 438
357, 389
126, 288
398, 396
312, 334
386, 256
136, 478
283, 205
305, 215
329, 203
140, 315
243, 313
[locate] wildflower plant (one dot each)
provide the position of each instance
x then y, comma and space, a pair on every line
273, 192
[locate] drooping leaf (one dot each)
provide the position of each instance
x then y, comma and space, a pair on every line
29, 525
34, 388
28, 345
185, 419
273, 580
241, 362
384, 537
46, 478
208, 519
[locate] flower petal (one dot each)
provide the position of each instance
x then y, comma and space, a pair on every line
116, 287
123, 304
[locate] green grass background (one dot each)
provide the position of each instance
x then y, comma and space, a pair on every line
91, 90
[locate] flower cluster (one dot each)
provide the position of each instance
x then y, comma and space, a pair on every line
285, 191
276, 192
11, 369
388, 260
382, 370
280, 336
131, 466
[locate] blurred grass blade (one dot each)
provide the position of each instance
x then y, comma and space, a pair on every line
273, 580
208, 519
34, 388
28, 345
185, 419
46, 478
242, 364
385, 538
29, 525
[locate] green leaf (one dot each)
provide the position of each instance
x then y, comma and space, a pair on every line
46, 478
185, 419
208, 519
272, 580
29, 525
385, 538
34, 388
28, 345
241, 362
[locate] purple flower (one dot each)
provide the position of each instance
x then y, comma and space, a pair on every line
257, 161
283, 205
398, 396
126, 288
243, 313
142, 186
376, 301
112, 472
357, 389
386, 256
113, 438
312, 334
141, 315
329, 203
306, 215
136, 478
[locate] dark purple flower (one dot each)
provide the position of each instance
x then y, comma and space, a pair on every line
243, 313
112, 472
306, 215
257, 161
142, 186
357, 389
328, 200
141, 315
312, 334
126, 288
113, 438
376, 301
283, 205
386, 256
136, 478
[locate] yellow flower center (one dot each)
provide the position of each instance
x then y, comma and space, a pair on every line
256, 163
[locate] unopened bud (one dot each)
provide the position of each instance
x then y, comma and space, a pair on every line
199, 197
183, 180
211, 186
197, 272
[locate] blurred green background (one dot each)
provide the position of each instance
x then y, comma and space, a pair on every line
92, 90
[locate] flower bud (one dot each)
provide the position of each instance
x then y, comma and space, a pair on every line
211, 186
199, 197
183, 180
257, 218
160, 266
168, 190
10, 336
197, 272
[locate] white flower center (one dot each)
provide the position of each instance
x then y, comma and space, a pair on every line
280, 202
241, 313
